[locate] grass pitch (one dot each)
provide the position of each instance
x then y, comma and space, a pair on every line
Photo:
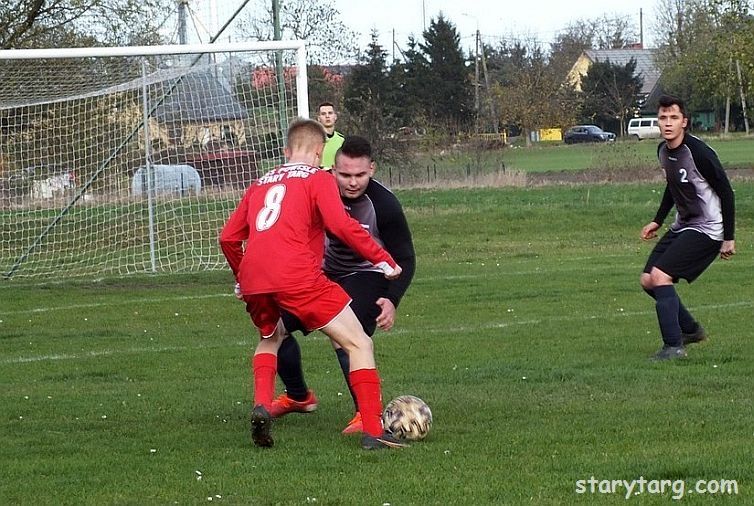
525, 330
736, 152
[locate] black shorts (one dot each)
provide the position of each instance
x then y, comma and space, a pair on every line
364, 288
683, 255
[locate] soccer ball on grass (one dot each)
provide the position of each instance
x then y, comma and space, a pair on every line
407, 417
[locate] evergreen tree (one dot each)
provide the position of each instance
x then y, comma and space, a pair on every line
610, 92
409, 80
368, 80
445, 90
368, 98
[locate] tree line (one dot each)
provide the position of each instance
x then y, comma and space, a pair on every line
705, 50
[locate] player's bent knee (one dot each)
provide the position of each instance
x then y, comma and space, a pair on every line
646, 281
659, 278
357, 342
364, 343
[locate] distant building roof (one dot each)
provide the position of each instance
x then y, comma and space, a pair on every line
646, 67
197, 98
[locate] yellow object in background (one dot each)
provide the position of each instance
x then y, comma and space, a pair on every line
550, 134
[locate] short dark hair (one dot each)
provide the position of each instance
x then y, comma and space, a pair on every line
355, 146
670, 101
323, 104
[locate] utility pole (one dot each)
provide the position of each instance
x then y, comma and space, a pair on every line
476, 82
277, 35
276, 19
492, 110
182, 30
641, 28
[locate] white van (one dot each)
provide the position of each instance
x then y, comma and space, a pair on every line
644, 128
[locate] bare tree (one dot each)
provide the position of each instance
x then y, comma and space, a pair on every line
318, 22
703, 46
614, 32
534, 95
606, 32
55, 23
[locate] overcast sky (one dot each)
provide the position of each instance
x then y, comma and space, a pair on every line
537, 19
496, 19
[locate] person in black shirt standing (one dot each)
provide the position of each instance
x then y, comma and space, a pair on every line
704, 226
374, 299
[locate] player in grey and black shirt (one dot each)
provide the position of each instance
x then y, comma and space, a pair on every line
704, 226
374, 299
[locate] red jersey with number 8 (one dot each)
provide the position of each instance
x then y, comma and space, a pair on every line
283, 217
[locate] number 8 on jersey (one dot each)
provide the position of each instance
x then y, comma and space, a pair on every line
269, 214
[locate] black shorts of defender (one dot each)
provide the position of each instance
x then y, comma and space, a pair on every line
683, 255
364, 288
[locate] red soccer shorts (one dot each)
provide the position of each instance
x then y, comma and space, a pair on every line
315, 306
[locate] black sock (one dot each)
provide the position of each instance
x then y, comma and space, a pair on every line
345, 366
289, 369
666, 305
687, 322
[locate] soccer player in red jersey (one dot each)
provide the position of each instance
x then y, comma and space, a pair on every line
283, 217
374, 299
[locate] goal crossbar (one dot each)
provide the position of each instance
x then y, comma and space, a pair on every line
175, 49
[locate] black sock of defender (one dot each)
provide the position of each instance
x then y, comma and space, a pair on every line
345, 366
666, 305
289, 369
687, 322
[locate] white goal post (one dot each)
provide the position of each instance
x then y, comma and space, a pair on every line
123, 160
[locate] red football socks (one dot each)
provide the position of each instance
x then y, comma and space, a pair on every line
366, 386
264, 366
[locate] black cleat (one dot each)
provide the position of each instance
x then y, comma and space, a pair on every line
669, 353
386, 440
694, 337
261, 422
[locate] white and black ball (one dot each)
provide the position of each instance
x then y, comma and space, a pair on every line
407, 417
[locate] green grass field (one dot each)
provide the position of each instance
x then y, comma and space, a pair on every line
735, 152
525, 330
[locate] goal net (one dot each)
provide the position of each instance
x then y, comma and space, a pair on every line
124, 160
